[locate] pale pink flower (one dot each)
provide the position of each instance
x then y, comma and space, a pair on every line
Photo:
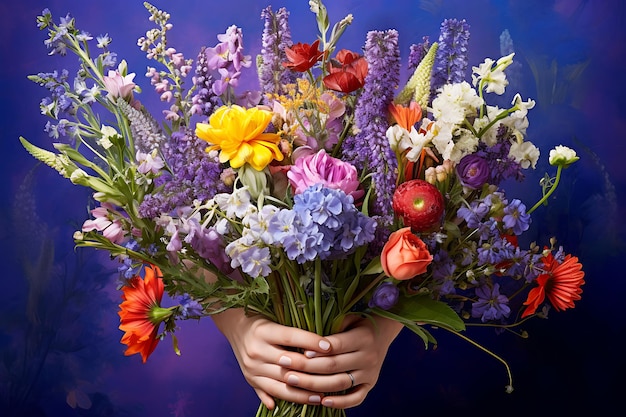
104, 222
119, 86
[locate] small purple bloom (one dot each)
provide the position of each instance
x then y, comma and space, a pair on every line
385, 296
473, 171
516, 218
491, 305
189, 308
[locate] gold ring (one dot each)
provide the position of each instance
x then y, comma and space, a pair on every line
352, 382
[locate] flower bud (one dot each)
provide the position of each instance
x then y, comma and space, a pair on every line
562, 156
256, 181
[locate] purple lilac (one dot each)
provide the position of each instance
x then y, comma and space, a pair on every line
383, 57
451, 58
385, 296
515, 217
491, 305
276, 37
443, 273
501, 166
205, 100
494, 252
195, 175
417, 53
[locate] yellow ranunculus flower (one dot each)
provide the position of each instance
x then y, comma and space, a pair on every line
238, 134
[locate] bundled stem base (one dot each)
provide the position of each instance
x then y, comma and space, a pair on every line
289, 409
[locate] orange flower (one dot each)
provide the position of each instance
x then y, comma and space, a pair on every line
141, 313
406, 117
561, 283
405, 255
302, 56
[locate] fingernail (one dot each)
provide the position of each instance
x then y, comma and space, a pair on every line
284, 361
327, 402
292, 380
324, 345
310, 354
315, 399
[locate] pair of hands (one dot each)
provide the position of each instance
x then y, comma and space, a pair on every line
264, 352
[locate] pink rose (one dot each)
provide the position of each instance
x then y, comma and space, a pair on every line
321, 168
405, 255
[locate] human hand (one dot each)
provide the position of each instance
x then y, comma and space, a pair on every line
358, 350
266, 352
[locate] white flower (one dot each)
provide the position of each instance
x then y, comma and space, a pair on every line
107, 133
455, 102
492, 76
149, 162
563, 156
525, 153
417, 141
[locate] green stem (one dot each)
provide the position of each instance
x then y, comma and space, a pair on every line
550, 191
317, 297
509, 387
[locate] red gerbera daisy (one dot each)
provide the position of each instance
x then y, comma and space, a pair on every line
141, 313
560, 282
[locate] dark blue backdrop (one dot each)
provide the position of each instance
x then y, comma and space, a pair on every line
58, 308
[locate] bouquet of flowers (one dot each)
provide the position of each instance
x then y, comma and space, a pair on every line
327, 192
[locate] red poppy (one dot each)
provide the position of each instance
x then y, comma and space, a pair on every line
141, 313
346, 72
302, 56
560, 282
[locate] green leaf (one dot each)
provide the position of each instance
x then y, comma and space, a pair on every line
374, 267
423, 309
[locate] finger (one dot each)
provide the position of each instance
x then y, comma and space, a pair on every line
265, 398
289, 393
293, 337
322, 383
324, 365
351, 399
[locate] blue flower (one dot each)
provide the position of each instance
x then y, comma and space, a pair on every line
189, 308
385, 296
491, 305
515, 217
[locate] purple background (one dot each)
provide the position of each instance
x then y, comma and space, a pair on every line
58, 307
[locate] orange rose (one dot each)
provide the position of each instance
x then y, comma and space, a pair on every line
405, 255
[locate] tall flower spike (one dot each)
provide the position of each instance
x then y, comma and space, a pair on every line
273, 77
418, 87
383, 57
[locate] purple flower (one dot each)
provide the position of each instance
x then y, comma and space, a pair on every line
491, 305
370, 148
321, 168
189, 307
473, 171
385, 296
451, 59
515, 217
273, 76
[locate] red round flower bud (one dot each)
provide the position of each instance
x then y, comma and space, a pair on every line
419, 204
